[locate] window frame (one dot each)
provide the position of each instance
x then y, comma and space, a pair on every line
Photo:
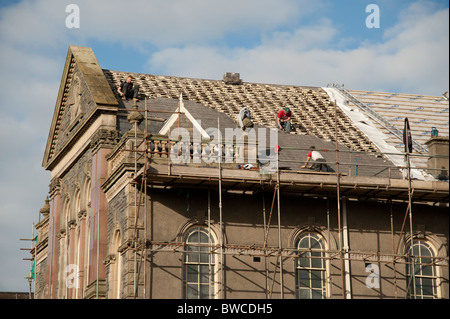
417, 291
201, 259
305, 264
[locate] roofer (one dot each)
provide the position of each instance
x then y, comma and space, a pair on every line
128, 90
284, 120
245, 118
318, 161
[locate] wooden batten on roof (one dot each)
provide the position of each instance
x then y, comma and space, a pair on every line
91, 75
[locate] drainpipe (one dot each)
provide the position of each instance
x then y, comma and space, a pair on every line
329, 247
348, 287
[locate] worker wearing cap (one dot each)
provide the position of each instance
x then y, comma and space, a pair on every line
284, 119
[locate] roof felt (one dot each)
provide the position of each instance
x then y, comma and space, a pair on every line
381, 116
424, 113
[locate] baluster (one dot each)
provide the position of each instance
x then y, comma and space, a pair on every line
196, 152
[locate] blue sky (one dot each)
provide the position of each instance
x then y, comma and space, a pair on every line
297, 42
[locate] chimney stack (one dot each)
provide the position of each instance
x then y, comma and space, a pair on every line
232, 78
438, 146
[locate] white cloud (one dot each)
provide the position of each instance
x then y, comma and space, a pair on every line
413, 58
178, 22
41, 24
23, 185
305, 38
30, 76
33, 24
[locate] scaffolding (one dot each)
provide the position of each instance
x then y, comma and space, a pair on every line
32, 250
149, 146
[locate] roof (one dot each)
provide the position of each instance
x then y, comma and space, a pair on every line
294, 147
318, 117
312, 109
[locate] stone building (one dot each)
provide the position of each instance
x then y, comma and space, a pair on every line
149, 199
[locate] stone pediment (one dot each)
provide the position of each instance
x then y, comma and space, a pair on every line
83, 93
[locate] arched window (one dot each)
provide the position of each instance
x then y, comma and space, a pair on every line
310, 275
421, 283
198, 267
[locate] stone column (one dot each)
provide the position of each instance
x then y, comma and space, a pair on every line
53, 242
102, 143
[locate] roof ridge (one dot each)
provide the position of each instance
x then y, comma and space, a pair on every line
213, 80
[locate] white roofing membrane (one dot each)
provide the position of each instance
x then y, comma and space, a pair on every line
368, 127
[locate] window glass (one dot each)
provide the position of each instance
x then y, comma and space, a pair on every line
310, 267
424, 273
198, 265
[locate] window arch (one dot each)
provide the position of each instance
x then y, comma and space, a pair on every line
310, 267
421, 276
87, 194
77, 204
198, 264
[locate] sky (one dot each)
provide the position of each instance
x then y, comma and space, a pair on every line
390, 46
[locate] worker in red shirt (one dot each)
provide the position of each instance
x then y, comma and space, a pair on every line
284, 119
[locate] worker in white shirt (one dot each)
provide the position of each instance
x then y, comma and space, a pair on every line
317, 160
245, 118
